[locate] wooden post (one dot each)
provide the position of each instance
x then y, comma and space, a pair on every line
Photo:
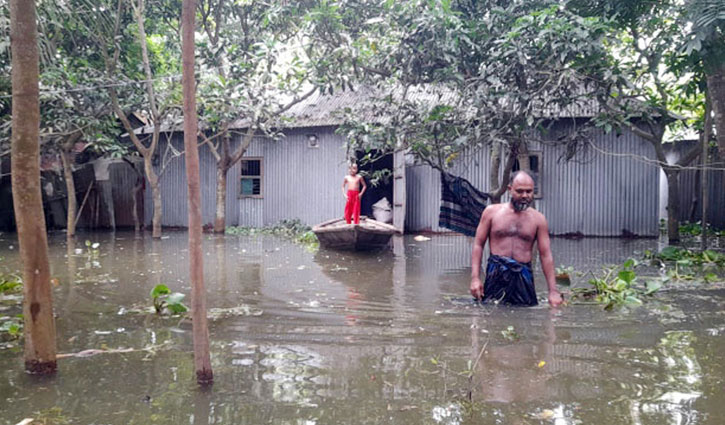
202, 362
39, 327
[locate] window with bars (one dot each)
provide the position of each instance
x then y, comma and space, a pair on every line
251, 178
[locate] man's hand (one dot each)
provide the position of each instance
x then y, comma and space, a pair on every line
477, 288
555, 298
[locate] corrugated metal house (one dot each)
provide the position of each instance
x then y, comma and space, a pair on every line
608, 190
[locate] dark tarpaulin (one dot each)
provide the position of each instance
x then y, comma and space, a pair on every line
461, 205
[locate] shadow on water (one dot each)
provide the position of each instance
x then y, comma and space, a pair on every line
389, 337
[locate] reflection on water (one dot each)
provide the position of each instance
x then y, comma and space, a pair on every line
388, 337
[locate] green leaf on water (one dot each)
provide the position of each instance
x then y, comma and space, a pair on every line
177, 308
14, 329
621, 285
710, 278
627, 276
632, 300
160, 290
652, 287
684, 262
175, 298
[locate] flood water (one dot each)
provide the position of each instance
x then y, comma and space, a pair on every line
331, 338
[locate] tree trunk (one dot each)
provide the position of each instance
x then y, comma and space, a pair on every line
70, 190
156, 196
695, 197
716, 94
136, 191
28, 203
510, 159
495, 167
221, 197
523, 157
200, 331
705, 186
673, 205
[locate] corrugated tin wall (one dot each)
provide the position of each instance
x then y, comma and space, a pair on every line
598, 194
174, 190
601, 194
690, 186
299, 182
124, 179
304, 182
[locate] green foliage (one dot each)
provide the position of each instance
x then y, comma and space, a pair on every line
510, 334
291, 229
565, 270
695, 229
10, 284
73, 108
706, 38
166, 301
92, 249
685, 257
51, 416
11, 327
563, 275
250, 70
450, 78
616, 287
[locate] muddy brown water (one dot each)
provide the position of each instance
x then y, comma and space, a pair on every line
340, 338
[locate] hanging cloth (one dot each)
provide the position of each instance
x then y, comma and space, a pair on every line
461, 205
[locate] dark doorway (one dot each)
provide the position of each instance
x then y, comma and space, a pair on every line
384, 185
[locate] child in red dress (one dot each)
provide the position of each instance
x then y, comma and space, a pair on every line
353, 195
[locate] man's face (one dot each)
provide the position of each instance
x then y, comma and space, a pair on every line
522, 194
353, 170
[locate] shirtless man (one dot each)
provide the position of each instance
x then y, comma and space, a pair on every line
353, 195
512, 228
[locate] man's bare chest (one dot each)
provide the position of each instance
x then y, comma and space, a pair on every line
513, 228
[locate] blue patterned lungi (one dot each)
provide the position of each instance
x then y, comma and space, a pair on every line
509, 282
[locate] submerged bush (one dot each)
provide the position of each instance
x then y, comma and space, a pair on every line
291, 229
617, 286
685, 257
695, 229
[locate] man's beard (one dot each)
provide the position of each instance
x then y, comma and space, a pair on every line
520, 205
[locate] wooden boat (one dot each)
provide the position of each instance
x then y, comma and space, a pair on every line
366, 236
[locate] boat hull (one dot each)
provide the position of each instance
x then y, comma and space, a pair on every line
367, 236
